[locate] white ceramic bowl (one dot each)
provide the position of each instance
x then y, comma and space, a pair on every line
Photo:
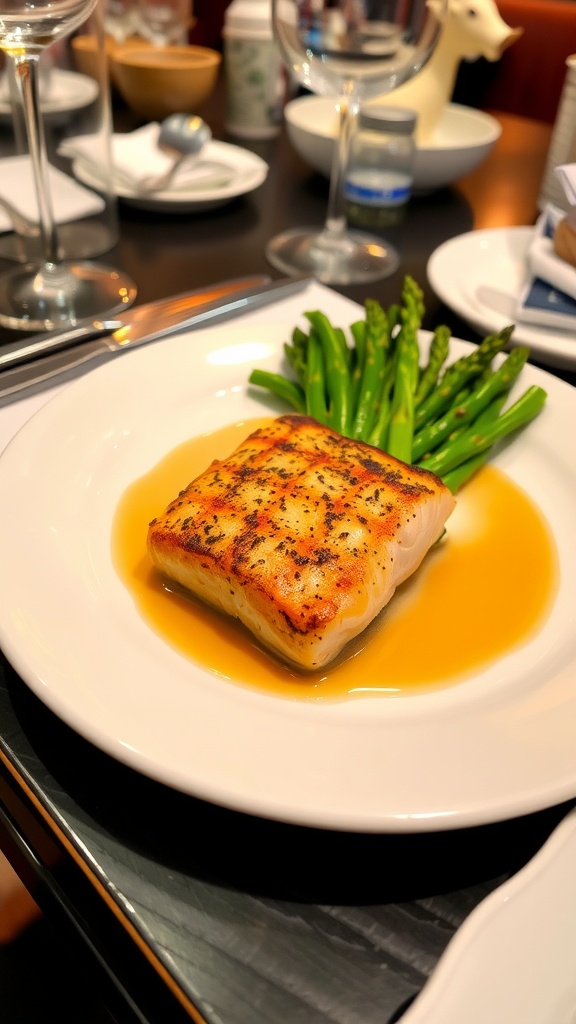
462, 140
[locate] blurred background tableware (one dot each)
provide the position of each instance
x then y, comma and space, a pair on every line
255, 84
120, 19
359, 50
164, 22
563, 142
469, 32
181, 137
381, 167
158, 81
461, 141
51, 289
222, 173
74, 94
86, 52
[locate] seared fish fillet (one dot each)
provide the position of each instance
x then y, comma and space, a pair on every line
302, 534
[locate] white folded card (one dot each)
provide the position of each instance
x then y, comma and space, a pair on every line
70, 200
136, 156
566, 174
548, 298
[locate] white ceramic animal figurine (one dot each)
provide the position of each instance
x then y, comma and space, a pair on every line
471, 29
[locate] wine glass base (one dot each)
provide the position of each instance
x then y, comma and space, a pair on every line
354, 258
77, 240
49, 296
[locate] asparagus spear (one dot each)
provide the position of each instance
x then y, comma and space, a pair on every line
296, 353
472, 442
439, 347
456, 478
315, 382
458, 374
459, 476
358, 351
287, 389
377, 344
337, 372
467, 410
401, 427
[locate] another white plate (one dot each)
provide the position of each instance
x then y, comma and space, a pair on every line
512, 961
251, 171
480, 275
68, 91
462, 140
498, 745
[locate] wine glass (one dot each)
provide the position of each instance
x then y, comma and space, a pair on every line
49, 293
360, 49
165, 22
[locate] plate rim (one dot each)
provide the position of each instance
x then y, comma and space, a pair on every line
553, 347
51, 109
500, 909
182, 200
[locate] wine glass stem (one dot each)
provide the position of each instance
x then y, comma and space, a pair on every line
26, 68
336, 225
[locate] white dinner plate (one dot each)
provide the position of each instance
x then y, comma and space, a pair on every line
480, 275
250, 172
513, 958
499, 744
67, 92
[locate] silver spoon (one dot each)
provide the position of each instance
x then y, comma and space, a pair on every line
181, 136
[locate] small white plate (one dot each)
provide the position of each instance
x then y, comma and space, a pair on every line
512, 961
251, 171
68, 91
481, 274
498, 745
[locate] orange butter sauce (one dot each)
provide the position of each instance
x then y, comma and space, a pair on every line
482, 591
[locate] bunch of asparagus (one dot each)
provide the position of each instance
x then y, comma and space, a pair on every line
443, 416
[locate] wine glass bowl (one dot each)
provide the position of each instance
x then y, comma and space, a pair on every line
358, 49
27, 28
49, 292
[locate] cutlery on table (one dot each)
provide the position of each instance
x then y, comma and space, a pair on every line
25, 365
181, 137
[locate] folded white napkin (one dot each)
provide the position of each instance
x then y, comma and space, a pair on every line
70, 200
136, 156
548, 297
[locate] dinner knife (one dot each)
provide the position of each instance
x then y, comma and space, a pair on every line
163, 314
81, 346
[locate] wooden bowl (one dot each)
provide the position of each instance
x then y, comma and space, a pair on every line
158, 81
85, 57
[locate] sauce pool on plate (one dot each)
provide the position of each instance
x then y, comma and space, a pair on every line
482, 591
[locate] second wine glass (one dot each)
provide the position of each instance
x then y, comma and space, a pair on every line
49, 292
357, 49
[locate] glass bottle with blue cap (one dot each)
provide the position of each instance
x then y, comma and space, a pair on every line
381, 168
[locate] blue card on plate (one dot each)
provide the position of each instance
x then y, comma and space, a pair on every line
541, 303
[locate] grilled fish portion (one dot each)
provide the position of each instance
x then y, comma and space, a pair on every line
302, 534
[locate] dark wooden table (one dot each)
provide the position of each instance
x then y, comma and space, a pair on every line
182, 910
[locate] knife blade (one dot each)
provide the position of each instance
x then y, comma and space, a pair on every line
160, 312
159, 320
